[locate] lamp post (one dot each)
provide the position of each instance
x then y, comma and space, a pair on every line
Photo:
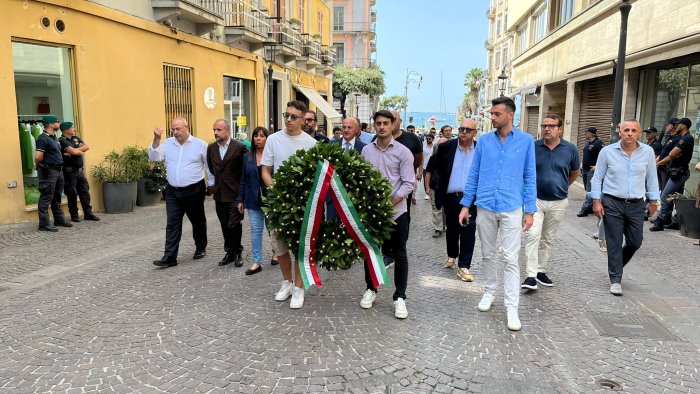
410, 77
502, 81
357, 104
270, 48
625, 8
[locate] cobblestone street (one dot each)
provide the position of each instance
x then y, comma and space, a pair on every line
84, 310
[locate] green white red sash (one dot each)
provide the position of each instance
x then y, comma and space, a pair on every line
325, 181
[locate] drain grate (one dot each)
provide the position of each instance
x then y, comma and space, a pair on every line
609, 384
629, 326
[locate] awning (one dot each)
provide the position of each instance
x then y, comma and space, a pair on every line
530, 89
319, 102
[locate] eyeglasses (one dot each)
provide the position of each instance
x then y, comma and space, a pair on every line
465, 130
293, 117
309, 120
549, 126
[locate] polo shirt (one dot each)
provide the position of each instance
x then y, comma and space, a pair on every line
670, 144
553, 168
685, 144
68, 160
52, 149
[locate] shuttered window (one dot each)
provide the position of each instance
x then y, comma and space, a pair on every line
533, 115
177, 83
596, 109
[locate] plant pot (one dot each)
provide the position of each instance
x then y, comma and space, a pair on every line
688, 218
145, 198
119, 197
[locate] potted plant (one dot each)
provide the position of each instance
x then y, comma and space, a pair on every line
119, 173
152, 182
688, 213
296, 23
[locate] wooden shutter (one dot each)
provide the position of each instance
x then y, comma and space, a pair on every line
596, 109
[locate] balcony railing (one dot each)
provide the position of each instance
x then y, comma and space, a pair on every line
213, 6
353, 27
285, 34
310, 47
327, 55
204, 15
242, 14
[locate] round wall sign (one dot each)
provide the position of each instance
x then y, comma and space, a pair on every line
209, 98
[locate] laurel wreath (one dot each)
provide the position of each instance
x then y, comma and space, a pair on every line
368, 190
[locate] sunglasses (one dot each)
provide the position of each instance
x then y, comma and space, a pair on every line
465, 130
293, 117
549, 126
309, 120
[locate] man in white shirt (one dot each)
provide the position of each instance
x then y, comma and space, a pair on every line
185, 159
278, 148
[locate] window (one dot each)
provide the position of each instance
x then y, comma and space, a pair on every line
338, 18
505, 21
177, 81
498, 60
300, 11
320, 23
238, 102
565, 11
539, 24
498, 26
339, 53
505, 57
522, 38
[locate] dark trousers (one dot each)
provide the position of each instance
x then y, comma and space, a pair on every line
460, 240
395, 247
178, 203
622, 219
230, 219
662, 175
76, 185
587, 176
50, 187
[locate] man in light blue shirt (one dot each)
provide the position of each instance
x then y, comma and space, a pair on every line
625, 172
502, 179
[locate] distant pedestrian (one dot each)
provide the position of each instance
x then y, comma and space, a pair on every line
652, 140
413, 143
243, 139
452, 163
431, 179
250, 196
395, 162
225, 165
671, 138
503, 183
278, 148
49, 165
427, 152
337, 133
445, 134
590, 155
557, 166
76, 185
625, 172
309, 127
185, 159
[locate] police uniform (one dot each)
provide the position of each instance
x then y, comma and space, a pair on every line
76, 185
50, 179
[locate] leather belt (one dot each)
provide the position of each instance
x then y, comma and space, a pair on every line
52, 166
188, 187
458, 194
625, 200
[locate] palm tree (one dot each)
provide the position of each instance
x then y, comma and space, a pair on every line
474, 81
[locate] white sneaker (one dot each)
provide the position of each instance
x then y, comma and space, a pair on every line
514, 320
485, 303
426, 197
285, 291
400, 310
368, 299
297, 298
616, 289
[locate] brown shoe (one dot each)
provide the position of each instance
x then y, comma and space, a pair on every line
465, 275
449, 263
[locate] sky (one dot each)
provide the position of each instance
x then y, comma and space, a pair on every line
428, 37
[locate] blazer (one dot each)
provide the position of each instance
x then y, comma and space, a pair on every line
226, 171
250, 188
441, 162
358, 144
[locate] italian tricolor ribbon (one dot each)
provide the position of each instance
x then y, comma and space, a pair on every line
325, 181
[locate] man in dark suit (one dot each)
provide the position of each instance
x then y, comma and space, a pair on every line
225, 162
351, 133
452, 163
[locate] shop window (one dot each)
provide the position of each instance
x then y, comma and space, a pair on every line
177, 82
239, 104
43, 86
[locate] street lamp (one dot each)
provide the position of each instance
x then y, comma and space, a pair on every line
625, 8
502, 81
357, 104
410, 77
270, 49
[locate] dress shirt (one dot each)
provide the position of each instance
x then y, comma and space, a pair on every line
351, 144
395, 163
211, 179
366, 137
184, 163
502, 176
461, 166
625, 176
427, 152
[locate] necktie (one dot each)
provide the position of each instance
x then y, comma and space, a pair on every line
347, 145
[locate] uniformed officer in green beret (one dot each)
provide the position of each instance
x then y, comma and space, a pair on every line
76, 185
49, 165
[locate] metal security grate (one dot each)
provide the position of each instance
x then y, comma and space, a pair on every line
177, 82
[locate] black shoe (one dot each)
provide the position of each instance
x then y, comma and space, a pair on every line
226, 260
388, 262
91, 217
75, 219
63, 224
658, 226
274, 262
166, 261
582, 214
437, 234
238, 260
530, 283
251, 271
48, 228
672, 226
199, 254
544, 280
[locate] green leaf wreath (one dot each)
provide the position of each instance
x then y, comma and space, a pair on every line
369, 191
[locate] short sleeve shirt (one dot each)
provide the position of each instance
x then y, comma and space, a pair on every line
411, 141
553, 168
73, 142
280, 146
52, 149
670, 144
685, 144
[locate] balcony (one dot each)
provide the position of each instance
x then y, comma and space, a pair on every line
327, 56
245, 22
372, 46
372, 3
354, 28
310, 50
206, 15
373, 16
491, 12
287, 36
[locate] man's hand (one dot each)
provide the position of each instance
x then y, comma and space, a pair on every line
157, 133
241, 207
528, 218
464, 216
598, 210
419, 176
395, 200
652, 207
592, 169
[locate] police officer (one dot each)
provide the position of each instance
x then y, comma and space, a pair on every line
49, 163
76, 185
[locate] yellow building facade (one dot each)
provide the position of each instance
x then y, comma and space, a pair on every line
119, 69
